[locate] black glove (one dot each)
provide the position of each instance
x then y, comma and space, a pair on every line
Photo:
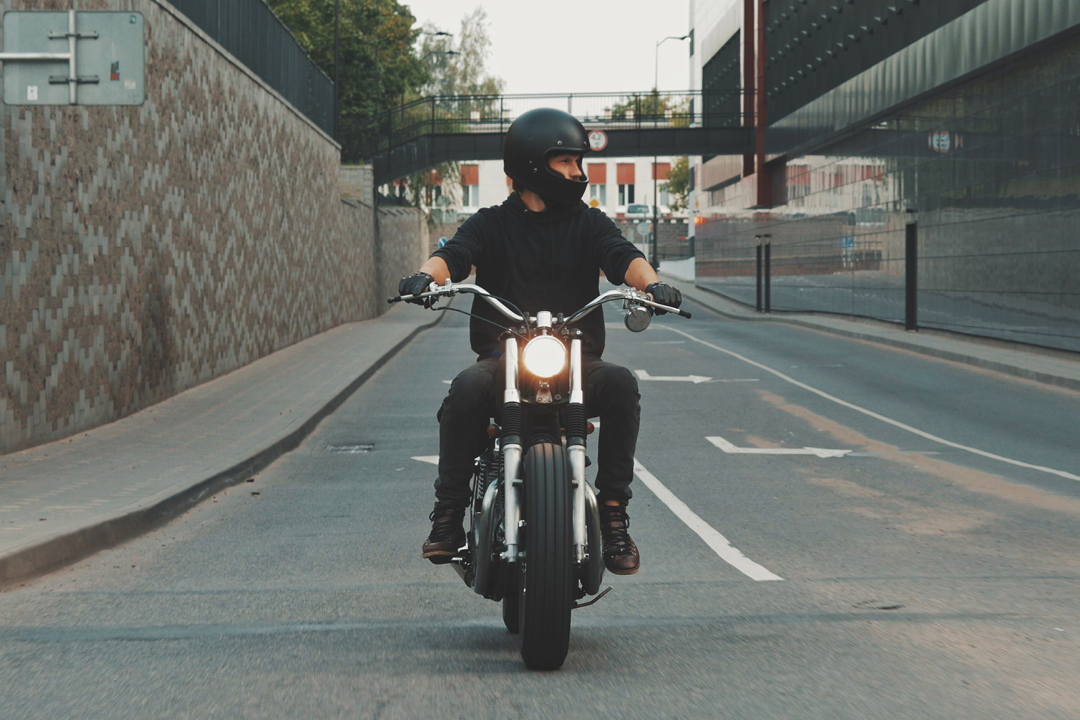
665, 295
414, 285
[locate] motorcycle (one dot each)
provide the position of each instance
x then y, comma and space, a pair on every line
534, 541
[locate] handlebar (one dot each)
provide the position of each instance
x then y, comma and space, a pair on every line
628, 295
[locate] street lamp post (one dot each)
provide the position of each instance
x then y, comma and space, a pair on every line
436, 33
656, 109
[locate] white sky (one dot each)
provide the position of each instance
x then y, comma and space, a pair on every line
556, 46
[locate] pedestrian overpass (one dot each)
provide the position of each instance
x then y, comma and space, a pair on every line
439, 129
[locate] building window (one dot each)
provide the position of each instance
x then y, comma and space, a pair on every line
472, 196
661, 171
625, 177
470, 186
597, 173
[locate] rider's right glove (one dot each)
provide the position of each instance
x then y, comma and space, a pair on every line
665, 295
414, 285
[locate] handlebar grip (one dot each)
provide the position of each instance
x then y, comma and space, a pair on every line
391, 301
683, 313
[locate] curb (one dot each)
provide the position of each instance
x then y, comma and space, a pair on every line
56, 552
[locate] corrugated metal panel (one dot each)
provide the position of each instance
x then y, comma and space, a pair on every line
978, 39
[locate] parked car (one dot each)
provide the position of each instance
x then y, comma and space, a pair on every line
634, 211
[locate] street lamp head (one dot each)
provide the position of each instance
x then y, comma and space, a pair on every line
656, 57
672, 37
438, 52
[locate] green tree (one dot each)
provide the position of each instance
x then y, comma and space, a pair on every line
678, 183
375, 50
651, 107
456, 79
464, 73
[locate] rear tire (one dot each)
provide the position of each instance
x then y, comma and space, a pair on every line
548, 586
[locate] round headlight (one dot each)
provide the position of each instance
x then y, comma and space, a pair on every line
544, 356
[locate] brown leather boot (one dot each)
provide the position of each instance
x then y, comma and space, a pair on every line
620, 553
447, 533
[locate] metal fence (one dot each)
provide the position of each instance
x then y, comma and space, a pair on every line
444, 114
251, 32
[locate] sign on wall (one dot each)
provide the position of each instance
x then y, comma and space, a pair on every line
74, 58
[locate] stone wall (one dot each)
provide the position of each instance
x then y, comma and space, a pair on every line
144, 250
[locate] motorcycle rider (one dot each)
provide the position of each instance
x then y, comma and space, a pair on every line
541, 249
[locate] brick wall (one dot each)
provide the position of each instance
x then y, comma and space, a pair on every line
144, 250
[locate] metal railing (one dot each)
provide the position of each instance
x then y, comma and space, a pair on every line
464, 114
251, 32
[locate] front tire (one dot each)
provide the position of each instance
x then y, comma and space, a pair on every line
547, 583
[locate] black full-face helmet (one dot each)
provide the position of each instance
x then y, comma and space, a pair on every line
533, 138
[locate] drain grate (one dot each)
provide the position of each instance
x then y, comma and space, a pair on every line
351, 449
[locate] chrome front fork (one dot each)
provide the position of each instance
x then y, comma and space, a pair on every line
577, 457
511, 460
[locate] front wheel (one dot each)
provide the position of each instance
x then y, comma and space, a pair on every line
547, 583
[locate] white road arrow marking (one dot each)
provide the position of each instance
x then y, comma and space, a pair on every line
735, 450
643, 375
433, 459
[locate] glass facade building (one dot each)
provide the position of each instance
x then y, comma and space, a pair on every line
946, 198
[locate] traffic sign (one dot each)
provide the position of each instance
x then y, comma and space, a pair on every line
598, 140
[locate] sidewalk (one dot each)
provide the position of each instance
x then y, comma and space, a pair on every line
1042, 365
64, 500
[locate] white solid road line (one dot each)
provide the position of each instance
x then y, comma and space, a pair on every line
720, 545
712, 538
733, 449
877, 416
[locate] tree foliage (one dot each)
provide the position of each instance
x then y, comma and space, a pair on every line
375, 50
461, 74
464, 73
637, 107
652, 106
678, 183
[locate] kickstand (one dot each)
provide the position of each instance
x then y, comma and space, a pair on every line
587, 604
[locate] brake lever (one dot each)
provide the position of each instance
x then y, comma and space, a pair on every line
434, 289
674, 311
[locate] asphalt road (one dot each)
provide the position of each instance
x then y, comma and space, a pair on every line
928, 567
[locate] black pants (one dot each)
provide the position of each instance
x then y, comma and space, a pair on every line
611, 393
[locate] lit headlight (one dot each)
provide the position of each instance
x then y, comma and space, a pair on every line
544, 356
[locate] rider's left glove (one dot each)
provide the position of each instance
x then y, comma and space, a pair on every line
414, 285
665, 295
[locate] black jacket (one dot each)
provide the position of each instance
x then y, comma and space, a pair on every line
538, 261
